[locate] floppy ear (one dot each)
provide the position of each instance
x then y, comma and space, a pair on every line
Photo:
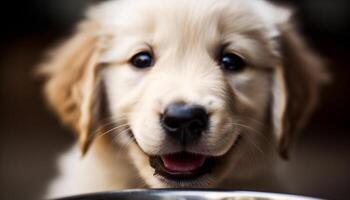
72, 85
296, 86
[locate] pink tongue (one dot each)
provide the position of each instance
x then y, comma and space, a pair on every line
183, 162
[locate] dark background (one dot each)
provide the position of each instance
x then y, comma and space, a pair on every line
31, 138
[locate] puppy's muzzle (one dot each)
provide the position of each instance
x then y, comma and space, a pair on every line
186, 123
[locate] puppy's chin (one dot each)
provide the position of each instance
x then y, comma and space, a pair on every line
183, 169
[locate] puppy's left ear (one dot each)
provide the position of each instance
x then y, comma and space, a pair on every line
296, 82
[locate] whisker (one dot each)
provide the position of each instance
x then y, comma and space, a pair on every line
260, 134
104, 125
112, 130
107, 122
247, 127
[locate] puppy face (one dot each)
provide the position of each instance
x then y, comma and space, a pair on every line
197, 56
198, 86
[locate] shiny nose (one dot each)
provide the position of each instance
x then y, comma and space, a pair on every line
184, 122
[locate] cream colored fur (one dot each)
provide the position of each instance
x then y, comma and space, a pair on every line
91, 82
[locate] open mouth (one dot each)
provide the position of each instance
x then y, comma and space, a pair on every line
182, 165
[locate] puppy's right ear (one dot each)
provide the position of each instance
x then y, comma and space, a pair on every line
72, 80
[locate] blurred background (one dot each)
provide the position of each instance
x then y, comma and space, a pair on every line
31, 137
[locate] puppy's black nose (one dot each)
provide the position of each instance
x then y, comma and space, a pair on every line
185, 122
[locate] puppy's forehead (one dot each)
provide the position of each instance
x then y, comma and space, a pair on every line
186, 25
177, 16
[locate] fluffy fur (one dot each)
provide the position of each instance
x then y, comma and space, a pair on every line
114, 108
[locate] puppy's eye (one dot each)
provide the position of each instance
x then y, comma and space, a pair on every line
232, 62
142, 60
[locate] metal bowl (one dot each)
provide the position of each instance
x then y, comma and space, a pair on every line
185, 195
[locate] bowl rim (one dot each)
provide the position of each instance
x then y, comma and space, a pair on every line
187, 193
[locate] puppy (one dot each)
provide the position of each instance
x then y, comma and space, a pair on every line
180, 94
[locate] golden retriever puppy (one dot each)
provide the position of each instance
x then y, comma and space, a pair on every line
180, 94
